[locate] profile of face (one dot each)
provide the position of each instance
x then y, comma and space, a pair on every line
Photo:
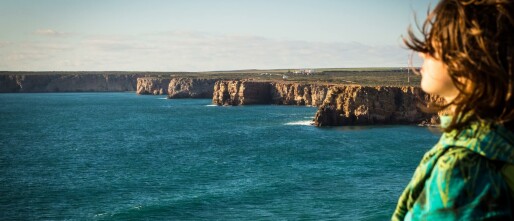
435, 78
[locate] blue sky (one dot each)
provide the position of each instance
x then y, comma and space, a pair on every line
203, 35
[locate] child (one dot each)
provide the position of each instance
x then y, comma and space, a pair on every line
468, 50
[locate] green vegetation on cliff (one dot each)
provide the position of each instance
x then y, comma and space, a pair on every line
359, 76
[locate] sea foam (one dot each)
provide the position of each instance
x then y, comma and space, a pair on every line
302, 123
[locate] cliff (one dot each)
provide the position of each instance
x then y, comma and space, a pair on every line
241, 92
338, 104
67, 83
298, 94
191, 88
152, 85
358, 105
244, 92
9, 84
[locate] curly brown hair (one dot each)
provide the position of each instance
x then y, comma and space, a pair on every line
475, 40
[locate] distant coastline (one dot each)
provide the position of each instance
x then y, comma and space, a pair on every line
400, 76
344, 96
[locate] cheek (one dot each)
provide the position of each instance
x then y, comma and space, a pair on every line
429, 84
436, 84
435, 79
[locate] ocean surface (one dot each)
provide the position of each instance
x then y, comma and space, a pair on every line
120, 156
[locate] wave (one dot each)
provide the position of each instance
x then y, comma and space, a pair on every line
301, 123
211, 105
162, 98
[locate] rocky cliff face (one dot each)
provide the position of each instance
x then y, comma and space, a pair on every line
191, 88
9, 84
338, 104
358, 105
152, 85
241, 92
68, 83
298, 94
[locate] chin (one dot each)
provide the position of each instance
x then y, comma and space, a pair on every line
424, 87
428, 88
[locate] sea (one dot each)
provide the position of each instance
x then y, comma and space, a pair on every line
122, 156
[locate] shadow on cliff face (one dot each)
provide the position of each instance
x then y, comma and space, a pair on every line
327, 115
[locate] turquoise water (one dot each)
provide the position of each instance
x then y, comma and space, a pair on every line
119, 156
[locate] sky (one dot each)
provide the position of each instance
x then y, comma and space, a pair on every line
204, 35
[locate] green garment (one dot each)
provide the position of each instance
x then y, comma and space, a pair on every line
463, 177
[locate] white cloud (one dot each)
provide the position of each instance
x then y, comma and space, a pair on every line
117, 44
50, 32
245, 52
4, 43
192, 51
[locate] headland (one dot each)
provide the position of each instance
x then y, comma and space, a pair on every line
352, 96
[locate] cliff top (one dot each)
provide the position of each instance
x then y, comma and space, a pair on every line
349, 76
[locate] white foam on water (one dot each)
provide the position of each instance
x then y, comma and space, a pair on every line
211, 105
162, 98
301, 123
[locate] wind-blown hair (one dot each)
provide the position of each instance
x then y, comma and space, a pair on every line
475, 40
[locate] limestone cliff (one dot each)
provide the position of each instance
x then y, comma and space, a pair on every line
359, 105
67, 82
298, 94
191, 88
152, 85
338, 104
241, 92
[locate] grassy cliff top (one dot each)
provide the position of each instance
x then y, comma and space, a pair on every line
360, 76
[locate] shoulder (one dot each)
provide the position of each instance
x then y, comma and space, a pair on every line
460, 167
462, 159
466, 183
